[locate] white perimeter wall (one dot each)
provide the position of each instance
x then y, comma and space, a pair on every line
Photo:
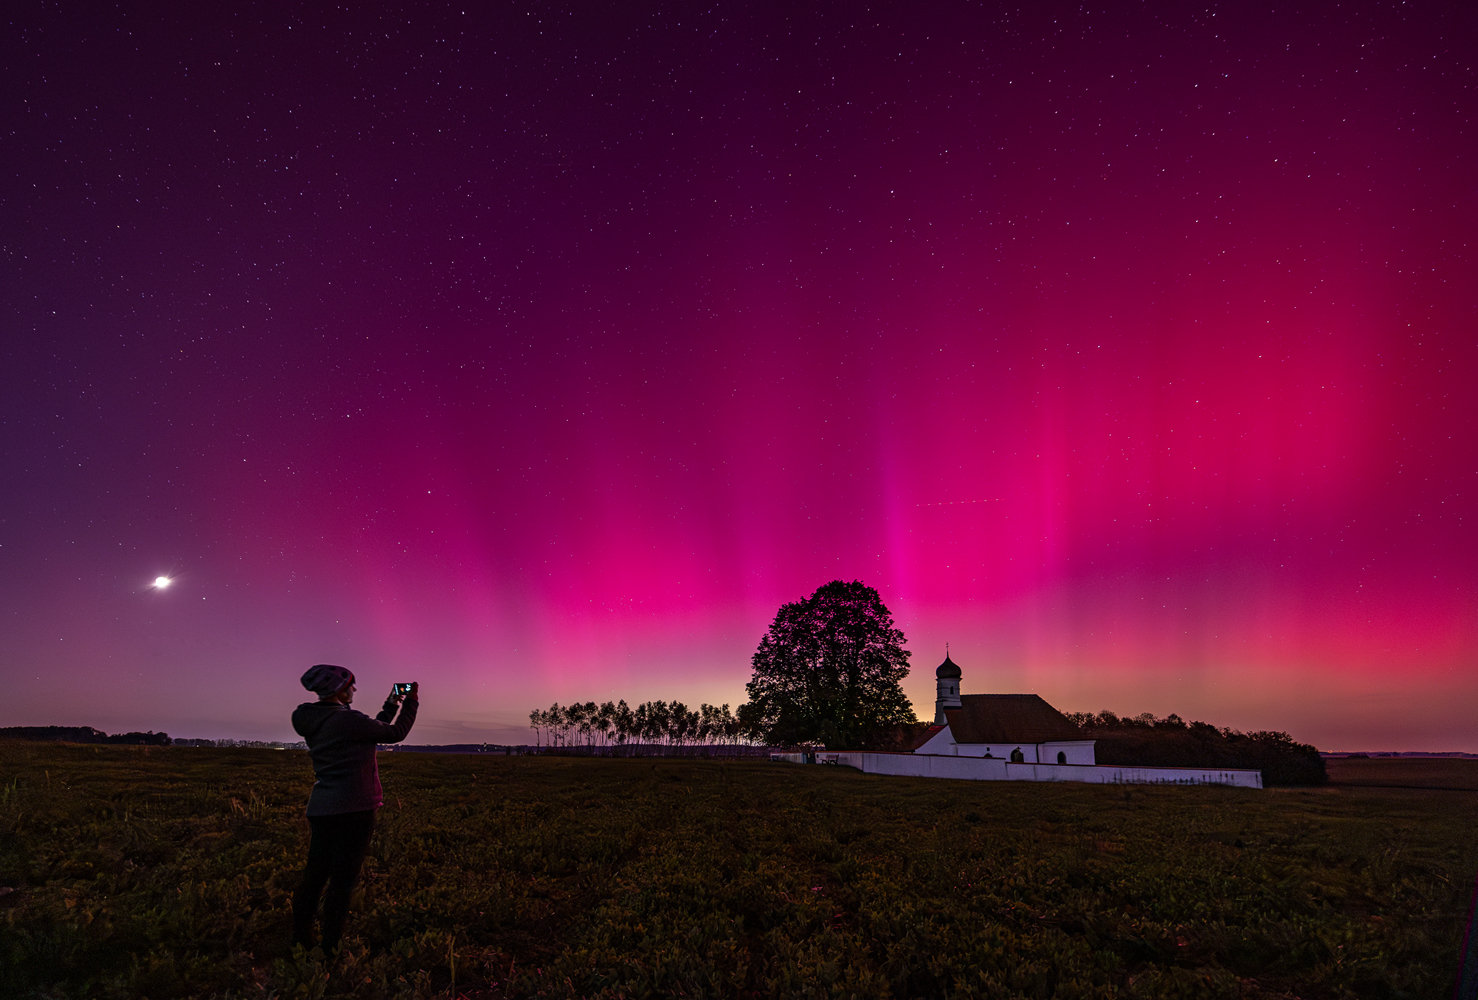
987, 769
1076, 751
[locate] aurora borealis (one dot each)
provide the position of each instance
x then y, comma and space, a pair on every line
540, 354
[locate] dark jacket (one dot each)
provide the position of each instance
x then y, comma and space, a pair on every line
341, 743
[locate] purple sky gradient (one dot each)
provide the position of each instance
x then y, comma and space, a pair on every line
541, 355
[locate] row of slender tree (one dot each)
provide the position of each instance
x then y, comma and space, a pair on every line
828, 671
616, 724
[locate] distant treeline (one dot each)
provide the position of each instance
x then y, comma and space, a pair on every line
81, 734
259, 744
1145, 741
616, 724
704, 750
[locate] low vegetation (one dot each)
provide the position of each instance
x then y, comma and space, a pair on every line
164, 873
82, 734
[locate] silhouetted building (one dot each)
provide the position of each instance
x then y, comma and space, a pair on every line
1021, 728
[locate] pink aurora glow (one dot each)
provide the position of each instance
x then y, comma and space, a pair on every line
1139, 372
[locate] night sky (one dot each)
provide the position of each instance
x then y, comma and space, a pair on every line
540, 352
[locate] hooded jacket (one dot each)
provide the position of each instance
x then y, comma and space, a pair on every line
341, 743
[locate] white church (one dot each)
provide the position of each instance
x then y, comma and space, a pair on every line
1008, 737
1020, 728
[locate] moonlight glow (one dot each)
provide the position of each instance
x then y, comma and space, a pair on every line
162, 583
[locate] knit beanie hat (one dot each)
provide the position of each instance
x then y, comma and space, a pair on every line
326, 679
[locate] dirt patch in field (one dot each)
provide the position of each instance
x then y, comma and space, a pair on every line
1404, 772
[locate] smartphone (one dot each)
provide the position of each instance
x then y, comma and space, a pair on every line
402, 689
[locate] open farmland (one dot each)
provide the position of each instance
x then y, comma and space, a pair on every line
166, 873
1405, 772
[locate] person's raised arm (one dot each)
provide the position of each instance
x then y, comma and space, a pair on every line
381, 729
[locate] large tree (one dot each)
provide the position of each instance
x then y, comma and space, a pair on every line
828, 671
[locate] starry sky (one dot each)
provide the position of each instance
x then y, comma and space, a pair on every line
538, 352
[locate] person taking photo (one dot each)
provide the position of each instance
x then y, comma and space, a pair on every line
341, 807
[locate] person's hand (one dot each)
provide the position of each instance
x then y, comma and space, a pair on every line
415, 686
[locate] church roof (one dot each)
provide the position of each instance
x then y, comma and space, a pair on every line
1008, 718
947, 668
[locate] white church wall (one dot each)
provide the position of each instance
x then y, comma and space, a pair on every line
920, 765
1076, 752
940, 742
1001, 750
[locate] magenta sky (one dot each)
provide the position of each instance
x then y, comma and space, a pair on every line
539, 356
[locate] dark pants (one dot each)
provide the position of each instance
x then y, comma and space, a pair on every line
334, 856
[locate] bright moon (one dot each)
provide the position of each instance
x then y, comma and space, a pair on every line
160, 582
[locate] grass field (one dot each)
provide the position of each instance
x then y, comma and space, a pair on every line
166, 873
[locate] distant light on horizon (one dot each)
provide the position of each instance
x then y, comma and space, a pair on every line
162, 583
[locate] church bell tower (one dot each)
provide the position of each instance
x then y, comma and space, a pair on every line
947, 679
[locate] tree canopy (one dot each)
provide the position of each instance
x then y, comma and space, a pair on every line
829, 671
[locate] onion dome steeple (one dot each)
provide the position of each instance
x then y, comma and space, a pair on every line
947, 681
